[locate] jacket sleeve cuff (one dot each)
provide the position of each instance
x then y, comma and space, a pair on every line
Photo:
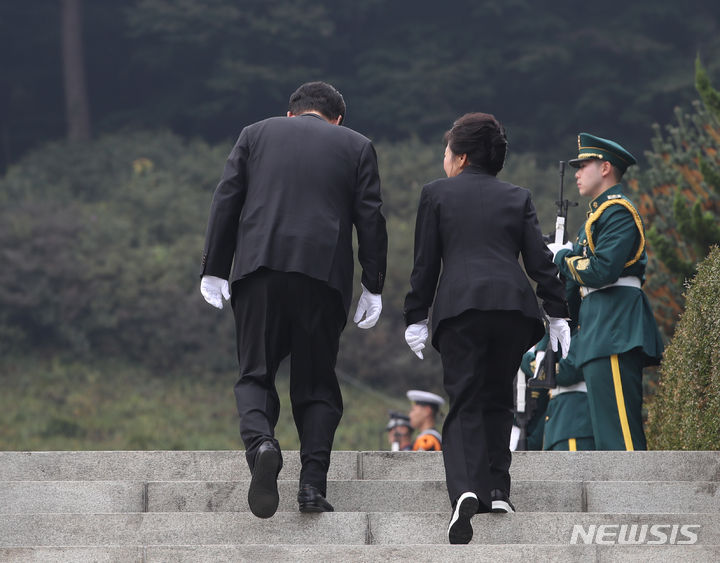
556, 310
560, 256
412, 317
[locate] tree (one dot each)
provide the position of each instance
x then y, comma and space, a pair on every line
679, 199
76, 100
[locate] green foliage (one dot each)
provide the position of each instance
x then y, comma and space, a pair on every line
680, 201
710, 173
708, 94
662, 246
683, 414
105, 404
101, 244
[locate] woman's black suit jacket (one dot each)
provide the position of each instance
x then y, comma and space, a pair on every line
470, 231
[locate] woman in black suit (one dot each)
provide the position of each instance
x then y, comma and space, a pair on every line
474, 227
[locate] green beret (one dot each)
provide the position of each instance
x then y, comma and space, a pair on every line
590, 146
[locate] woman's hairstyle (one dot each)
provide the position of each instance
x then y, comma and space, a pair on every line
317, 96
482, 138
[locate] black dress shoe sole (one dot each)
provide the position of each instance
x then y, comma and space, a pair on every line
460, 530
263, 496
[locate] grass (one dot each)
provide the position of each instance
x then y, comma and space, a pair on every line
47, 404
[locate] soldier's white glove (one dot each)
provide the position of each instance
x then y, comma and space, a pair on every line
559, 332
539, 357
415, 336
370, 306
555, 247
213, 289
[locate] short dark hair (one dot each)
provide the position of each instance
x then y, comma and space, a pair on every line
317, 96
482, 138
434, 407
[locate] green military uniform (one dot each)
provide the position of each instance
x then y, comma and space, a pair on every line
567, 420
617, 334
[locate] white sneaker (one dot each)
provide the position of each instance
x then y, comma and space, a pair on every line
460, 529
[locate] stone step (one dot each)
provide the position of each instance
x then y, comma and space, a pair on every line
351, 496
345, 465
350, 528
480, 553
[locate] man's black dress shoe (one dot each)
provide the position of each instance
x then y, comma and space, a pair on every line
311, 499
263, 495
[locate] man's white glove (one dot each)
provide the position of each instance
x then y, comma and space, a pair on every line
213, 289
539, 357
415, 336
370, 306
555, 247
559, 332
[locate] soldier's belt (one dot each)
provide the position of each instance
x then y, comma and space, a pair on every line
579, 387
628, 281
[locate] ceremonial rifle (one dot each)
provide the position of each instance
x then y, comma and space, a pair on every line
524, 409
545, 378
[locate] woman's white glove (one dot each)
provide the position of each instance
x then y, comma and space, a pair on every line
559, 332
415, 336
369, 305
213, 289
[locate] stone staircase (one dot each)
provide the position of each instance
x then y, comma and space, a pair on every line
173, 506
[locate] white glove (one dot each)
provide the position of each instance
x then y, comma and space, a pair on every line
369, 305
213, 289
555, 247
559, 332
415, 336
539, 357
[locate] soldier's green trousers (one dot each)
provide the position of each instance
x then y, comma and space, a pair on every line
574, 445
614, 386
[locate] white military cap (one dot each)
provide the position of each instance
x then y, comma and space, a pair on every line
425, 398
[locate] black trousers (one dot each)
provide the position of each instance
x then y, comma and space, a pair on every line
481, 352
281, 313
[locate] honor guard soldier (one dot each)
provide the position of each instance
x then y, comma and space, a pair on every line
423, 415
617, 334
530, 404
568, 426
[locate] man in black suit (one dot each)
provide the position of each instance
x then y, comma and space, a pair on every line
280, 230
471, 228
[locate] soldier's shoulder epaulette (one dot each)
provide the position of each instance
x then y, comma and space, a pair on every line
616, 202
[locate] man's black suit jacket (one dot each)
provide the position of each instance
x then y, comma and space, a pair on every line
474, 227
291, 191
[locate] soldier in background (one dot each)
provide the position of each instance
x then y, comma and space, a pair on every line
399, 432
568, 426
423, 418
530, 404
